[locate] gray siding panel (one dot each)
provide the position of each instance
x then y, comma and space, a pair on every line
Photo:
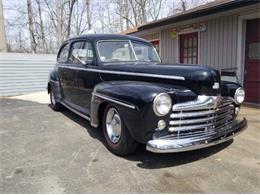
169, 44
24, 73
217, 44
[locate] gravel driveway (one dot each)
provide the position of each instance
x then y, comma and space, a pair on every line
42, 151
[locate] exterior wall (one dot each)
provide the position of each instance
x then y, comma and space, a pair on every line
220, 46
169, 47
24, 73
217, 45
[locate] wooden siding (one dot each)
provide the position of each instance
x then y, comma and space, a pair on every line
24, 73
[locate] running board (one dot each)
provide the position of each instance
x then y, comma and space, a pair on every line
75, 111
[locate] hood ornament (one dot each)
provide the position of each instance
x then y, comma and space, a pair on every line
218, 101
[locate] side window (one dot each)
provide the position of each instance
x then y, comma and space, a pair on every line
63, 55
81, 53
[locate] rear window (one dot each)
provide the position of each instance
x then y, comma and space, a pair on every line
81, 53
64, 53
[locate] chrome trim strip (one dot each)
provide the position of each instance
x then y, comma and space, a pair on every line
132, 47
94, 125
75, 111
190, 127
202, 102
53, 81
113, 100
192, 114
190, 121
127, 73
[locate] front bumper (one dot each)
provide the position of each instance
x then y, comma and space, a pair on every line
179, 145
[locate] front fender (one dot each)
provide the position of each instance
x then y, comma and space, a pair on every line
134, 101
229, 88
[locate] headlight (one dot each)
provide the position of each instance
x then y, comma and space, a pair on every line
162, 104
239, 95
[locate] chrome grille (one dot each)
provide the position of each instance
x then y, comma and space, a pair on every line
201, 117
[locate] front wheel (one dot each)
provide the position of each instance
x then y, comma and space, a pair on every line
54, 104
117, 136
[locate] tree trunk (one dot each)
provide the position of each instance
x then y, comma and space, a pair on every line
71, 5
43, 41
183, 5
88, 14
3, 47
31, 29
59, 24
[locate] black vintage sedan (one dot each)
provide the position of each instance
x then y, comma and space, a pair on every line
118, 82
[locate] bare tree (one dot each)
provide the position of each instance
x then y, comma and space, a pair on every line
71, 6
31, 26
88, 14
42, 25
155, 8
139, 11
42, 33
142, 8
81, 17
183, 5
3, 47
58, 16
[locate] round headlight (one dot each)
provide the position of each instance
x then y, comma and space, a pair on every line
239, 95
162, 104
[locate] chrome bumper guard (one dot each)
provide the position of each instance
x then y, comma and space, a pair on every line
186, 144
206, 121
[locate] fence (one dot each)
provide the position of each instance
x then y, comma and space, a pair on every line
24, 73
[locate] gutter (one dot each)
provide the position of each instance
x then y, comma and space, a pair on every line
198, 13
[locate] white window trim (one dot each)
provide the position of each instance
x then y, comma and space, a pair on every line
178, 41
241, 43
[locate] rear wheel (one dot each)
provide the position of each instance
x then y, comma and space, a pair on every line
117, 136
54, 104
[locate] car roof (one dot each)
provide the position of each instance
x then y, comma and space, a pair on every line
97, 37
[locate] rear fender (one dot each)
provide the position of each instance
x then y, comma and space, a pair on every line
53, 83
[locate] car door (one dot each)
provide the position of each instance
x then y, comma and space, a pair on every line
82, 60
87, 77
63, 71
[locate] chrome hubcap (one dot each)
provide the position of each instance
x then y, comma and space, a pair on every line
53, 101
113, 125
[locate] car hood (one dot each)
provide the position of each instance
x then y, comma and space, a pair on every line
197, 78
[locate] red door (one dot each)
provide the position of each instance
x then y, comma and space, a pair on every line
252, 61
189, 48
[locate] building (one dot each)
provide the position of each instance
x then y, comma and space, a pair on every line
220, 34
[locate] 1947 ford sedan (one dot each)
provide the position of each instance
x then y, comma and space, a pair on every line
118, 82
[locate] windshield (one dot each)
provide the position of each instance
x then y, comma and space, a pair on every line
125, 51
